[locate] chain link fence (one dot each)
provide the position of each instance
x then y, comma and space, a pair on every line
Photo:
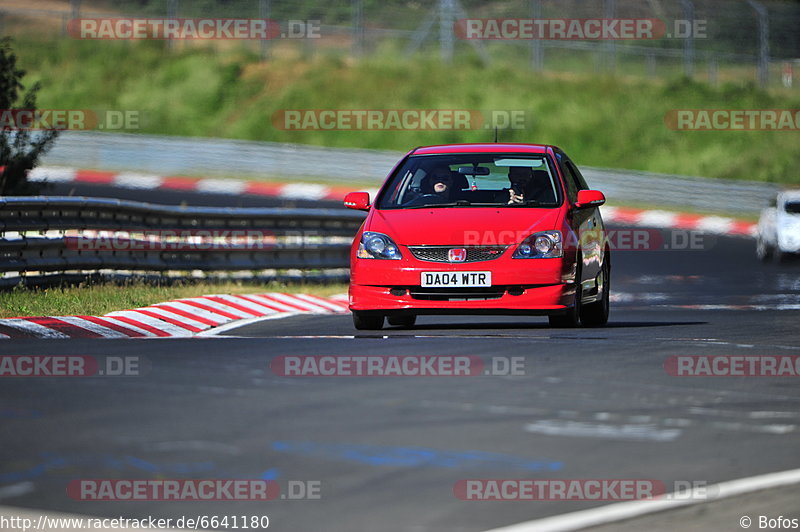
712, 40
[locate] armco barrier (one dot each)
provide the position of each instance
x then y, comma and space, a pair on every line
60, 234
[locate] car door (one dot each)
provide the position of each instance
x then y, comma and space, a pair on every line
586, 224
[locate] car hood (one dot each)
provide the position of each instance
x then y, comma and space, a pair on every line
462, 225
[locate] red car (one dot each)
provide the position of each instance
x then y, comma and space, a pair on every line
481, 229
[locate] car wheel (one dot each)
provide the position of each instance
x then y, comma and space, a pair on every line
763, 252
596, 314
367, 321
402, 321
572, 318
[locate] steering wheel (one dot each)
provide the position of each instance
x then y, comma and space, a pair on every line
431, 199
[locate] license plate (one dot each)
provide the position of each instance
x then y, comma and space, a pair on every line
456, 279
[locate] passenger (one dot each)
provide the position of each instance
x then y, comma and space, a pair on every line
527, 185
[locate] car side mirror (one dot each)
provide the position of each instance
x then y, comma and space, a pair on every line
357, 200
589, 198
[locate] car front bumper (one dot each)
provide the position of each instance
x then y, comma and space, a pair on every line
519, 286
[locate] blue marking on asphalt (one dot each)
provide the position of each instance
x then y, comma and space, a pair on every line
377, 455
53, 462
270, 474
19, 413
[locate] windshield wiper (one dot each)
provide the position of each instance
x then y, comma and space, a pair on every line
523, 204
459, 203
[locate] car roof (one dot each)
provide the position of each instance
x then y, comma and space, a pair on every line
503, 147
790, 195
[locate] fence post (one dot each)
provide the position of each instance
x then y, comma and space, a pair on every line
688, 43
651, 65
713, 70
446, 21
172, 13
763, 40
537, 50
264, 13
610, 8
357, 21
76, 9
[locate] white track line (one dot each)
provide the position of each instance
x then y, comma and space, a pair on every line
630, 509
241, 323
17, 490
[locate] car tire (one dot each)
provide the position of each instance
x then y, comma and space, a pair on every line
596, 314
367, 321
402, 321
763, 252
572, 318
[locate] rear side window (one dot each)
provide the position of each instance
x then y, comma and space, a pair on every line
580, 182
569, 177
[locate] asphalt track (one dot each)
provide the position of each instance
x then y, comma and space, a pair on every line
592, 404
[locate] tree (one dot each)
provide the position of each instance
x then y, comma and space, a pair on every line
20, 148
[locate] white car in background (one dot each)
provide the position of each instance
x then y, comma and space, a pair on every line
779, 227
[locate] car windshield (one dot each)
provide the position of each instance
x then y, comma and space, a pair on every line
792, 207
472, 180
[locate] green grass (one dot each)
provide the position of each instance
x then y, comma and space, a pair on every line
99, 299
599, 120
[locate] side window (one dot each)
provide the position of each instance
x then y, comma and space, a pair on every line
569, 177
579, 180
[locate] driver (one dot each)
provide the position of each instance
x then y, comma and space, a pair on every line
441, 182
436, 188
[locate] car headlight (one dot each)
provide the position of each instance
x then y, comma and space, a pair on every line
544, 245
377, 246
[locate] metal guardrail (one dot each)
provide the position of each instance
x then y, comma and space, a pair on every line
60, 234
161, 155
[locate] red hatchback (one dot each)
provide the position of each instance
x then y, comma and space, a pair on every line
481, 229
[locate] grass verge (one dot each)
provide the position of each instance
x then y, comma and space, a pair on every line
612, 122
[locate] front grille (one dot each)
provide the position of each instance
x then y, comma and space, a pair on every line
457, 294
474, 254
